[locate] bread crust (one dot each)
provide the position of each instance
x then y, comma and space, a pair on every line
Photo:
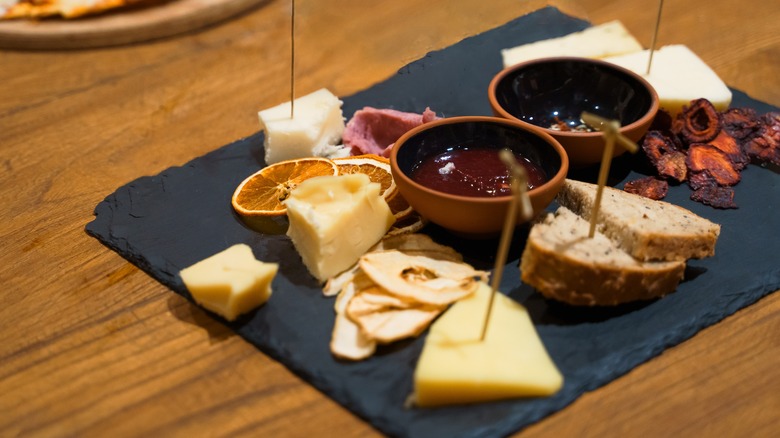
684, 235
586, 283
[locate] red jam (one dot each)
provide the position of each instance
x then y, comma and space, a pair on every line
475, 172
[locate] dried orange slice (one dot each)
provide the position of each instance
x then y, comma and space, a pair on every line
377, 168
399, 206
263, 193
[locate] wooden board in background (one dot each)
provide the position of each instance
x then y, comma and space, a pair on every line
122, 26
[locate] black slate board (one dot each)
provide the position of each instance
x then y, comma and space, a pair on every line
166, 222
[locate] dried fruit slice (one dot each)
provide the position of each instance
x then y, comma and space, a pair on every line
649, 187
728, 144
409, 224
377, 168
348, 341
395, 324
699, 122
264, 193
421, 244
664, 156
421, 278
707, 159
399, 206
718, 197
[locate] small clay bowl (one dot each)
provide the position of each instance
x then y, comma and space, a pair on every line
537, 92
473, 216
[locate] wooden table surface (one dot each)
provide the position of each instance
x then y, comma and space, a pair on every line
92, 346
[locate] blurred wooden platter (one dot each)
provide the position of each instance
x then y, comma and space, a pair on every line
122, 26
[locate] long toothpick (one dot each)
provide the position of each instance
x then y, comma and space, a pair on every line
519, 188
611, 130
292, 60
655, 35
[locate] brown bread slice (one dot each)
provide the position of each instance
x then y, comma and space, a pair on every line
562, 263
645, 228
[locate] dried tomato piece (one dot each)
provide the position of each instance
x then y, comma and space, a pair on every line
667, 159
699, 122
705, 158
740, 122
728, 144
649, 187
697, 180
764, 146
718, 197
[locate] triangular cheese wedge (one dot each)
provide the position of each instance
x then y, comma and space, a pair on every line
456, 368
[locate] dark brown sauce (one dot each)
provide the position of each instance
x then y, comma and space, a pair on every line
475, 172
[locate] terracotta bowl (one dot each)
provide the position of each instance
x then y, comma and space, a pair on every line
537, 92
471, 216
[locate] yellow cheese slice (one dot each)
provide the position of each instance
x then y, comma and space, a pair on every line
456, 368
678, 76
314, 130
607, 39
231, 282
334, 220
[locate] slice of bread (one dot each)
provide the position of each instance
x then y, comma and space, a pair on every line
645, 228
563, 263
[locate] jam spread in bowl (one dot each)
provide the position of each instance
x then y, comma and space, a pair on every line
450, 172
473, 171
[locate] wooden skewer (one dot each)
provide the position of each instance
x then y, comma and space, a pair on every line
655, 36
611, 130
292, 60
519, 188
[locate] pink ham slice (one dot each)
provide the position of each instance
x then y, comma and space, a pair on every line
374, 131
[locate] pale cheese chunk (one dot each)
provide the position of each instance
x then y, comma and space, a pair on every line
607, 39
230, 283
456, 368
314, 130
678, 76
334, 220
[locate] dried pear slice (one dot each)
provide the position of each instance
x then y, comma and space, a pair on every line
334, 284
421, 278
392, 325
348, 341
420, 244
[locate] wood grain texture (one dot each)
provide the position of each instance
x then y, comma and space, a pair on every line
92, 346
123, 26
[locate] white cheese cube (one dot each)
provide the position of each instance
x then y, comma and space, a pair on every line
314, 130
456, 368
678, 76
334, 220
607, 39
231, 282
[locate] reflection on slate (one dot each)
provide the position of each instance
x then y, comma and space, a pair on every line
169, 221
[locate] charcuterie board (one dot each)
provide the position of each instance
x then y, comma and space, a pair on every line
166, 222
122, 26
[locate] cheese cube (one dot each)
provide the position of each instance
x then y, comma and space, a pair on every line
456, 368
314, 130
678, 76
607, 39
334, 220
230, 283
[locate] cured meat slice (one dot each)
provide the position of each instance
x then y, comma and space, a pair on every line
374, 131
664, 156
649, 187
